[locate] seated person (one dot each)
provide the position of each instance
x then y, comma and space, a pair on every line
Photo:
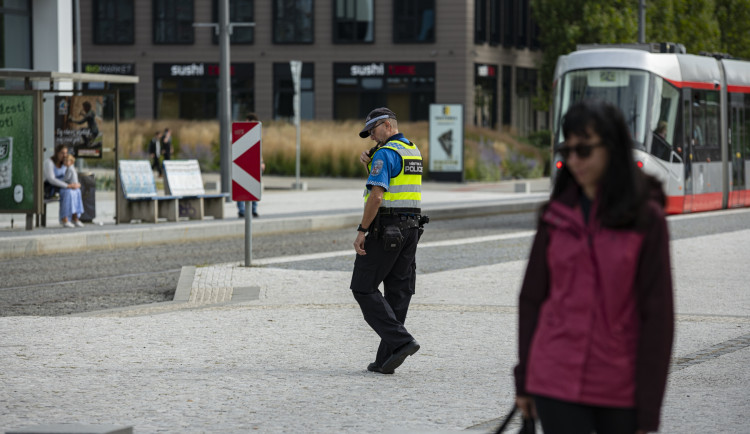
71, 201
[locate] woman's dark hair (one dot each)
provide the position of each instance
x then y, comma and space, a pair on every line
86, 105
58, 147
624, 189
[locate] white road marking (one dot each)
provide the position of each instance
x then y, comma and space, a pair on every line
456, 242
473, 240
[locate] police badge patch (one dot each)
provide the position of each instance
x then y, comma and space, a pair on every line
377, 166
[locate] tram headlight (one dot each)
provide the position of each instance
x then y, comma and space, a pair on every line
559, 164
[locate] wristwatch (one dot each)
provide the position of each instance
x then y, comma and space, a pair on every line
361, 229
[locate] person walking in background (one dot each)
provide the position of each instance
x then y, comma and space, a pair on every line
71, 202
387, 238
166, 145
251, 117
596, 315
154, 151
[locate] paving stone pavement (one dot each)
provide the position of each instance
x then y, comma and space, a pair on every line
294, 359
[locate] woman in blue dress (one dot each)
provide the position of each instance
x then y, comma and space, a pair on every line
71, 202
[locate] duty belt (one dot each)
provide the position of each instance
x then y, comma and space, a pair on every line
402, 222
398, 211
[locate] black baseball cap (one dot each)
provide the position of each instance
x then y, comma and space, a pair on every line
374, 118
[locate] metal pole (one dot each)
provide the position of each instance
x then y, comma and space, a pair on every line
296, 67
78, 40
642, 21
225, 93
248, 234
118, 186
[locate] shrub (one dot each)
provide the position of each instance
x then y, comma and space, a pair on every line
329, 148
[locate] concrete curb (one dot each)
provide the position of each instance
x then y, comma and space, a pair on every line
143, 234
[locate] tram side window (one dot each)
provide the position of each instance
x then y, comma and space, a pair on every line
664, 120
705, 120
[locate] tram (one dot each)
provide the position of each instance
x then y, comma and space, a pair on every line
688, 115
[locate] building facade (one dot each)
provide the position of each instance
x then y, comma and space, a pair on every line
356, 54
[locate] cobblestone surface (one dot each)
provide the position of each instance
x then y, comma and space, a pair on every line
294, 360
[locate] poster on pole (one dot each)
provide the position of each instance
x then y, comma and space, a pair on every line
446, 142
17, 157
77, 124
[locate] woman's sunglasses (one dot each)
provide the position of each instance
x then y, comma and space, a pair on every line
582, 151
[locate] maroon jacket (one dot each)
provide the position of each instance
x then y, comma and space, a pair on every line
596, 313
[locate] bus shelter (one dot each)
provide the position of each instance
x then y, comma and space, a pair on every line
22, 138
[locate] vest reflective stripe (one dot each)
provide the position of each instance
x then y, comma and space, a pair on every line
408, 188
404, 191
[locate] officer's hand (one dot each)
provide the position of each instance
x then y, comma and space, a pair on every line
364, 158
359, 244
527, 407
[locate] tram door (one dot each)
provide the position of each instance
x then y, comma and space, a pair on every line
687, 147
737, 137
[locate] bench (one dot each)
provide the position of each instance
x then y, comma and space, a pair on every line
41, 219
182, 178
138, 199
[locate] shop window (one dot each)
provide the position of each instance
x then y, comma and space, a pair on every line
406, 88
173, 22
127, 91
526, 82
192, 91
127, 99
240, 11
283, 92
485, 96
353, 21
15, 50
507, 92
413, 21
113, 22
293, 21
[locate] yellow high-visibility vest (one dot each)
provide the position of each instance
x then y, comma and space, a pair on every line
405, 190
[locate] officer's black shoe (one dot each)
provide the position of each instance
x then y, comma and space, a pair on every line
255, 214
398, 356
373, 367
240, 214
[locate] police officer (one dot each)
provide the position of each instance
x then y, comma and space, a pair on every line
387, 238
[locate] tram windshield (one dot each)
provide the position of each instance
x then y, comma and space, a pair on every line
626, 89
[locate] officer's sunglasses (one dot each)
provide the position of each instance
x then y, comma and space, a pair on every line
376, 125
581, 151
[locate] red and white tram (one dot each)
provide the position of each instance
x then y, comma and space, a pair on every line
689, 117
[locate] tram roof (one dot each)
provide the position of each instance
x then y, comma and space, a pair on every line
674, 67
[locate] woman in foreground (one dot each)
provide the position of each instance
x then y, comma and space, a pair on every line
596, 316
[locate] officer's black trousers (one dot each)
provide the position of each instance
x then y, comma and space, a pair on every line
386, 312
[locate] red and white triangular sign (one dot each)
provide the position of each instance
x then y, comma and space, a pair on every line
246, 161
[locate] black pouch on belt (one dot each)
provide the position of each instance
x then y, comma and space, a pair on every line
392, 238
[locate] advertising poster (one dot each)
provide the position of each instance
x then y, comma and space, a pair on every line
446, 142
16, 153
77, 124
